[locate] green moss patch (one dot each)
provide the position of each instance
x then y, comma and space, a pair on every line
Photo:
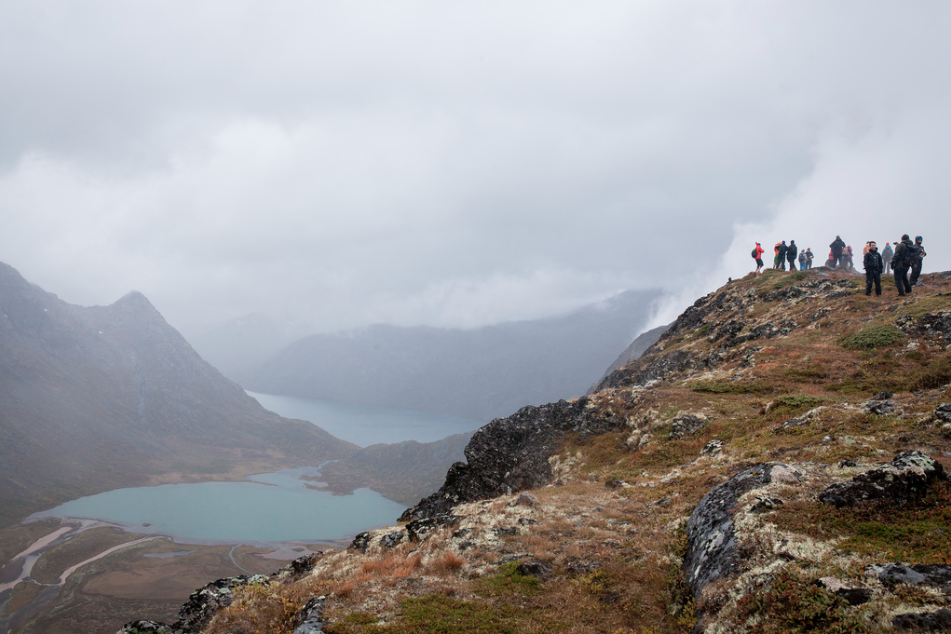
793, 404
508, 581
872, 337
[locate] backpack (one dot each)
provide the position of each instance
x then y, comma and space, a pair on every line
906, 254
754, 254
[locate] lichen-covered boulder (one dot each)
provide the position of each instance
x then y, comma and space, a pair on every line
310, 617
905, 479
711, 543
943, 412
687, 425
938, 575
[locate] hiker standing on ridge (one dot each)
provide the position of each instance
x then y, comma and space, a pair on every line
916, 265
887, 257
809, 258
837, 247
781, 255
847, 259
791, 251
758, 256
873, 269
902, 260
802, 260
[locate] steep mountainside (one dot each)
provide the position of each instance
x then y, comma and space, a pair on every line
776, 462
108, 396
477, 374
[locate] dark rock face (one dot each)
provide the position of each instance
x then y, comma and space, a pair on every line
711, 544
905, 479
930, 325
418, 530
882, 407
391, 540
939, 621
310, 617
938, 575
298, 568
534, 569
687, 425
511, 454
205, 602
943, 412
361, 542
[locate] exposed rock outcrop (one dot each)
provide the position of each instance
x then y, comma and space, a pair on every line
204, 603
511, 454
711, 545
905, 479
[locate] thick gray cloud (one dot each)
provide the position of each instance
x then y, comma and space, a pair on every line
343, 163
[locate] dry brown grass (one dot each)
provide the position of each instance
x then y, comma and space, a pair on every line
447, 564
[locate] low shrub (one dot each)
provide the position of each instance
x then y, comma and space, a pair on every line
791, 604
872, 337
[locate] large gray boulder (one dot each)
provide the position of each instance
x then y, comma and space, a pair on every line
711, 542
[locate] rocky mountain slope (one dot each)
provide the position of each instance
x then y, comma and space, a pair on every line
96, 398
777, 462
477, 374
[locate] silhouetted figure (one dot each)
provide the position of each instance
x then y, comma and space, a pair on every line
837, 246
887, 257
901, 262
809, 257
873, 269
781, 255
791, 252
916, 265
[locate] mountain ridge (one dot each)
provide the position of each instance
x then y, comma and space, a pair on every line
478, 374
776, 462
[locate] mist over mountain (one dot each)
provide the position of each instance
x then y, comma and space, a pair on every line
237, 346
96, 398
478, 374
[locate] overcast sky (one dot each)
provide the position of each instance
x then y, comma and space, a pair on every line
457, 164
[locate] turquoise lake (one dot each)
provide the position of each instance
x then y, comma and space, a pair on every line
271, 507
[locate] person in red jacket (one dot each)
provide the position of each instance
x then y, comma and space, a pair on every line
758, 256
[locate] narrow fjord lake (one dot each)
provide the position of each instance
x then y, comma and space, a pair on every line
272, 507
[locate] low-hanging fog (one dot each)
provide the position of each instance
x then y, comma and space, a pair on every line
345, 163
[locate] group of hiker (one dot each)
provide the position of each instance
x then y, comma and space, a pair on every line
783, 253
904, 258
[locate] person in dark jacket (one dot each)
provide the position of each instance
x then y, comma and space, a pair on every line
916, 265
887, 257
837, 246
809, 258
781, 249
901, 262
791, 252
873, 269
